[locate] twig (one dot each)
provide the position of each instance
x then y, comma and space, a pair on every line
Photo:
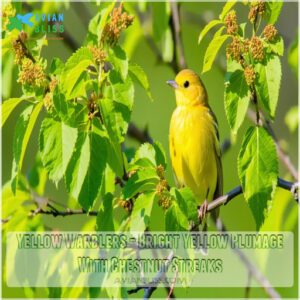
255, 273
170, 295
178, 45
247, 290
149, 289
67, 212
223, 200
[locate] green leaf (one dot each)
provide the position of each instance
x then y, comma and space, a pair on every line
141, 181
175, 219
116, 117
104, 220
56, 66
138, 74
160, 155
119, 91
276, 46
186, 201
56, 144
141, 212
292, 118
273, 10
267, 83
226, 8
118, 58
207, 28
237, 96
258, 171
213, 49
85, 170
146, 150
22, 134
74, 74
8, 106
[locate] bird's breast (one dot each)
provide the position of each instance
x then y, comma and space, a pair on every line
192, 149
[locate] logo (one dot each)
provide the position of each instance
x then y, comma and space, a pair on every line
42, 23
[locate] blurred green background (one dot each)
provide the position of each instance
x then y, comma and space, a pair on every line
156, 116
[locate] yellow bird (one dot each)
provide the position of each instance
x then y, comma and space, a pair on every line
194, 140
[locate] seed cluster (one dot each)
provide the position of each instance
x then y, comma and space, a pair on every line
8, 11
19, 51
48, 102
257, 48
249, 74
257, 9
235, 49
165, 202
119, 20
127, 205
31, 73
270, 32
231, 22
99, 55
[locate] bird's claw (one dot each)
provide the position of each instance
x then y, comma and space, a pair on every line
202, 210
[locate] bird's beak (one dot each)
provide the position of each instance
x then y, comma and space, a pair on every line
172, 83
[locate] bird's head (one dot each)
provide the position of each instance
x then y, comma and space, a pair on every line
189, 88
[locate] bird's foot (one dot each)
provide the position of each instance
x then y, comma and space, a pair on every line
202, 210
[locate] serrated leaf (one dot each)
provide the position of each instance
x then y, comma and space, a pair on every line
186, 201
119, 91
160, 155
119, 60
267, 83
258, 171
7, 108
146, 150
273, 10
104, 220
85, 170
175, 219
237, 97
56, 66
142, 180
56, 144
213, 49
116, 117
276, 46
138, 74
74, 74
140, 216
22, 134
104, 16
207, 28
226, 8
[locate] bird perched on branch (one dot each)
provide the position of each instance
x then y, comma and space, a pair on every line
194, 140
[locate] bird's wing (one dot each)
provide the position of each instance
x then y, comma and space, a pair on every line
219, 187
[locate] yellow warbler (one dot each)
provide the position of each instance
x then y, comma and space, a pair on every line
194, 139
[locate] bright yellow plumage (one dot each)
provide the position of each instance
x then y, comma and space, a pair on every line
194, 145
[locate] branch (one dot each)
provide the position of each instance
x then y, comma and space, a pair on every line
57, 213
178, 45
139, 135
223, 200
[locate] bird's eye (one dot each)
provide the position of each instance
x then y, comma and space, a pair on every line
186, 84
